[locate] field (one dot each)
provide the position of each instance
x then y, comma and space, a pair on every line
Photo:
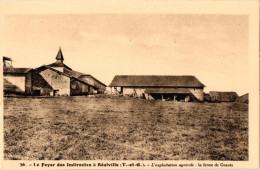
121, 128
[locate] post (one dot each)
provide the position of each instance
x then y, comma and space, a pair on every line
174, 97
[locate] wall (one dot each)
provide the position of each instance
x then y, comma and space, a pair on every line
198, 93
89, 80
28, 83
93, 82
40, 84
129, 91
138, 92
57, 81
79, 88
101, 87
148, 96
18, 81
90, 90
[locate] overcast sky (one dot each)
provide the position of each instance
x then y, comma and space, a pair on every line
214, 48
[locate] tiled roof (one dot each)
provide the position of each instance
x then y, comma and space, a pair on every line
223, 96
155, 81
59, 64
12, 70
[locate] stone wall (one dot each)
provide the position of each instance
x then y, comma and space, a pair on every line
57, 81
79, 88
18, 81
198, 93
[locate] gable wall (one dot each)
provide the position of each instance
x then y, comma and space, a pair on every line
79, 88
198, 93
18, 81
57, 81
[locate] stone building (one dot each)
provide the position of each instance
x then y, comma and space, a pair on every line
16, 80
56, 79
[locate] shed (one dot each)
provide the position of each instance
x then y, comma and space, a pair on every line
16, 80
244, 98
217, 96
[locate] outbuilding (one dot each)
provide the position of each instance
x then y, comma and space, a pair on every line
244, 98
16, 80
220, 96
165, 87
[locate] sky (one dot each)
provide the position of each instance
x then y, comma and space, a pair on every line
214, 48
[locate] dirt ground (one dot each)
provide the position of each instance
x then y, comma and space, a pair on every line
120, 128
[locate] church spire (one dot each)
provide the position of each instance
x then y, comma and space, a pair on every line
59, 57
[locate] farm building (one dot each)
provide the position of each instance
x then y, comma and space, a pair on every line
51, 80
16, 80
207, 97
180, 88
99, 87
7, 62
96, 85
216, 96
244, 98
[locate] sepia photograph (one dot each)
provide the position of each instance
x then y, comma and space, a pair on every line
126, 86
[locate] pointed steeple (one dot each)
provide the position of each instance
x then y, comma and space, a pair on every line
59, 57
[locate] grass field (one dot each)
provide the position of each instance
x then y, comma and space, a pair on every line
119, 128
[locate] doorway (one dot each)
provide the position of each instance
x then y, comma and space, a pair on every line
55, 92
36, 92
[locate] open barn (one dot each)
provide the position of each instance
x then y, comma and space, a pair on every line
165, 87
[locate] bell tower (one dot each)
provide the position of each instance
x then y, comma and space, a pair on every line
59, 57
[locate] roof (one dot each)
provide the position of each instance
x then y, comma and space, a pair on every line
223, 96
80, 75
59, 64
167, 90
12, 70
59, 55
68, 71
73, 73
6, 58
86, 75
223, 93
155, 81
59, 61
244, 98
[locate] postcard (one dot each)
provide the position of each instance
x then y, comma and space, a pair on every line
129, 84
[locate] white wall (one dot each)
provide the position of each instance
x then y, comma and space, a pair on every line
198, 93
57, 81
138, 92
18, 81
